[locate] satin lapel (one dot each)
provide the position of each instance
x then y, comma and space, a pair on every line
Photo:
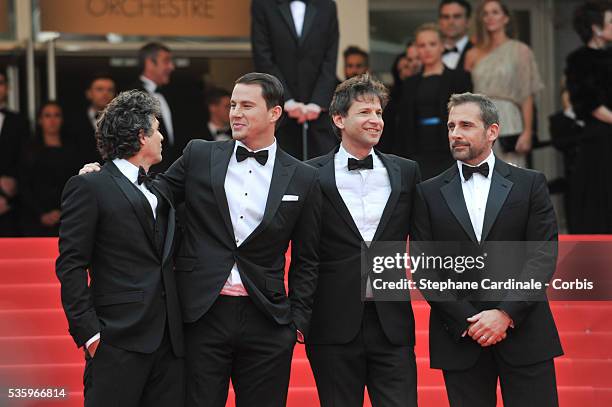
309, 17
285, 11
281, 175
395, 179
143, 214
220, 158
327, 177
500, 188
453, 195
171, 224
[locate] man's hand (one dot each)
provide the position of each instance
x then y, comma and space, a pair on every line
8, 185
93, 347
4, 205
489, 327
312, 111
50, 218
295, 110
90, 167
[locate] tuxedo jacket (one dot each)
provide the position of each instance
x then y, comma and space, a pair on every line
14, 136
518, 209
208, 249
305, 65
461, 61
338, 305
107, 226
451, 81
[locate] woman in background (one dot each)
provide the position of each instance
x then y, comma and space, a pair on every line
505, 70
421, 132
589, 82
49, 163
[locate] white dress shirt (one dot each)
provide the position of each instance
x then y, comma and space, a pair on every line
451, 59
476, 193
131, 173
166, 113
364, 192
247, 184
298, 10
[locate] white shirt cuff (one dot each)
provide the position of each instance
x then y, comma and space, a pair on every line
92, 340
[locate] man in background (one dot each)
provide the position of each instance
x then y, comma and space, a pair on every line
356, 61
218, 104
454, 18
412, 56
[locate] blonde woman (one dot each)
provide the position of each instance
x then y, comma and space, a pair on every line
505, 70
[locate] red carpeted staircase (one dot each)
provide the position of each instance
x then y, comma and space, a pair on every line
37, 352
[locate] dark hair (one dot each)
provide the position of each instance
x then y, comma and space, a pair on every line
588, 14
271, 87
397, 81
214, 95
466, 6
355, 88
354, 50
121, 122
100, 75
149, 51
488, 112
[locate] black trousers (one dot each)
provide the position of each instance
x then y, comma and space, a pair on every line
521, 386
121, 378
236, 340
343, 371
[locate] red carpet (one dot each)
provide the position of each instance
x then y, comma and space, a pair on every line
37, 352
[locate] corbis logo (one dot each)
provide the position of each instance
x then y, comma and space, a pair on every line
151, 8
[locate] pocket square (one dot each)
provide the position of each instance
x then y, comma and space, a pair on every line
290, 197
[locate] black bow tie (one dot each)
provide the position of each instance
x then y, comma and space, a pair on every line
242, 154
145, 178
469, 171
365, 164
453, 49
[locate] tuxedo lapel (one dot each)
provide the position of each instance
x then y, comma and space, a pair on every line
221, 155
500, 188
285, 11
281, 175
143, 213
395, 179
453, 195
309, 17
327, 178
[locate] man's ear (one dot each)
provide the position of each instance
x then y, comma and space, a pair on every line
493, 132
338, 121
275, 113
141, 137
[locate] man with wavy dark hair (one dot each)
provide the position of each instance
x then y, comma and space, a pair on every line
118, 227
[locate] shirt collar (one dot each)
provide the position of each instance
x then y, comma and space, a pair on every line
342, 157
127, 168
489, 160
462, 43
271, 150
148, 84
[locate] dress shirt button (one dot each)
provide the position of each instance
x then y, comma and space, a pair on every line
237, 240
246, 194
250, 171
241, 217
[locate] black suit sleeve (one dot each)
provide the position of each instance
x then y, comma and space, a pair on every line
76, 241
174, 177
304, 268
454, 313
261, 44
326, 81
541, 237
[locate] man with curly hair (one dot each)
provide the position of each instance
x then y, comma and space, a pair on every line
119, 227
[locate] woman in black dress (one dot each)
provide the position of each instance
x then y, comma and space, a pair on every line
49, 163
422, 134
589, 82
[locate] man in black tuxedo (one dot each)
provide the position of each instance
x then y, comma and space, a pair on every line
99, 93
120, 227
14, 134
245, 200
368, 197
218, 104
454, 22
480, 200
297, 41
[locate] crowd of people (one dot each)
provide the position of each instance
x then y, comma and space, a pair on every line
442, 59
